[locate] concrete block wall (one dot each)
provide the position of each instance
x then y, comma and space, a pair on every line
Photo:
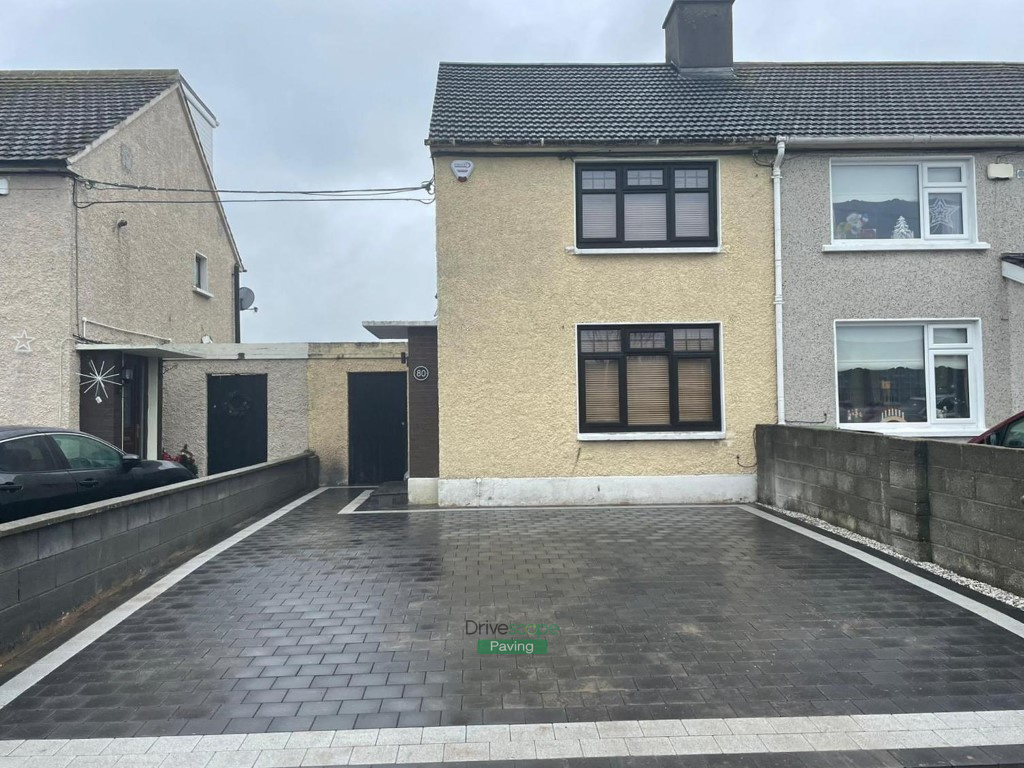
959, 505
868, 484
977, 512
53, 564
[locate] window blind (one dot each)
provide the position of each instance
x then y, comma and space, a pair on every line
645, 217
647, 385
599, 216
693, 214
601, 390
695, 396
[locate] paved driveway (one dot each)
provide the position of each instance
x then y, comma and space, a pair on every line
322, 621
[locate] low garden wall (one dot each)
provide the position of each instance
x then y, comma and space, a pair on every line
53, 564
958, 505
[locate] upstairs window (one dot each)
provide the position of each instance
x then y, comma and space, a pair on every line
646, 205
201, 277
903, 202
658, 378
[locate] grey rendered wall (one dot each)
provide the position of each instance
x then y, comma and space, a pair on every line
820, 288
1014, 294
184, 404
53, 564
140, 276
36, 258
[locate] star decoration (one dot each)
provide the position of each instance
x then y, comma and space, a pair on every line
97, 380
945, 217
23, 343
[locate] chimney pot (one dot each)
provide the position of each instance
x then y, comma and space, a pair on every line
698, 34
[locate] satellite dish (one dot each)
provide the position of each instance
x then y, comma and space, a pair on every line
245, 298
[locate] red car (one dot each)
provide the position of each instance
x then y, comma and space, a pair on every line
1008, 434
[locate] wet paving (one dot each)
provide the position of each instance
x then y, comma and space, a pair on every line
325, 621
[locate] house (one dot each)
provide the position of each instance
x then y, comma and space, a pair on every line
901, 209
606, 324
104, 267
639, 262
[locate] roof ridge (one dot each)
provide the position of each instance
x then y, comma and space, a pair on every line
89, 73
738, 64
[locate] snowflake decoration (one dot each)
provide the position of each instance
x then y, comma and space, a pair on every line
96, 380
945, 217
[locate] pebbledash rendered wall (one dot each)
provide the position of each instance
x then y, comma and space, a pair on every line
53, 564
61, 264
510, 294
820, 287
955, 504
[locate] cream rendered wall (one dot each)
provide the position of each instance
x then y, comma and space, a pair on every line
140, 276
329, 366
36, 258
184, 404
510, 297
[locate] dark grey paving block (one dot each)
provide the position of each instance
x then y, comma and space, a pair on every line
327, 621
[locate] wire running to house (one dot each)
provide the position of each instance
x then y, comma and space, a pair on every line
366, 194
422, 201
98, 184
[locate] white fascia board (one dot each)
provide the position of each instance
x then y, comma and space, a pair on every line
1013, 272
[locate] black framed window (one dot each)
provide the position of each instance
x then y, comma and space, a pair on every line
646, 205
649, 378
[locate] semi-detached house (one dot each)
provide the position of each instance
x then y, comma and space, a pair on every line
102, 270
637, 263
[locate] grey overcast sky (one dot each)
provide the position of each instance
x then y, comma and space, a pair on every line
337, 93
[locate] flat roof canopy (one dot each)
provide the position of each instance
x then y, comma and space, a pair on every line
165, 351
388, 330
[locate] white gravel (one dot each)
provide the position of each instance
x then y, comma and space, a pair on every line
980, 587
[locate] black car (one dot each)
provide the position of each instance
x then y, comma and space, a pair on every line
43, 469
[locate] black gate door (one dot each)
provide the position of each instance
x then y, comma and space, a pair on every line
377, 444
236, 422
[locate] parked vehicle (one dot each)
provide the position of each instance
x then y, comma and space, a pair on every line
1008, 434
43, 469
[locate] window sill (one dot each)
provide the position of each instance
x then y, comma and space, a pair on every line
934, 430
201, 292
639, 251
856, 246
604, 437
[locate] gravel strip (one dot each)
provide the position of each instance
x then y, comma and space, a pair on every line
1015, 601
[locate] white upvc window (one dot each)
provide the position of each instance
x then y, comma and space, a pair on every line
896, 203
201, 274
908, 376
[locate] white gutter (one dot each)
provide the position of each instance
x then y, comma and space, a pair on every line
86, 322
908, 140
780, 155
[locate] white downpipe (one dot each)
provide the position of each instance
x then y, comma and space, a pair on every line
780, 155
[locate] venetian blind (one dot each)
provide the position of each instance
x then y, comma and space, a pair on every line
695, 399
693, 214
599, 216
647, 390
645, 217
601, 390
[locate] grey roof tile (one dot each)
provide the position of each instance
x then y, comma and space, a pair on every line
51, 115
647, 103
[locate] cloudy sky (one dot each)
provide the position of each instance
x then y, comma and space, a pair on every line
315, 94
